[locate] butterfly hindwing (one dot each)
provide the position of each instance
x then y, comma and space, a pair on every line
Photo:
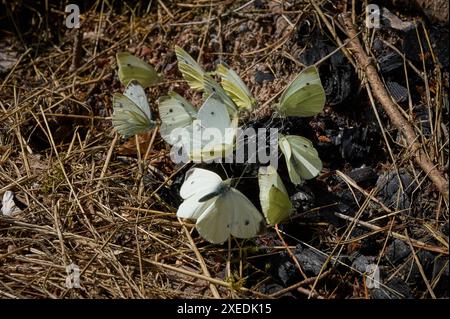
131, 67
305, 96
275, 202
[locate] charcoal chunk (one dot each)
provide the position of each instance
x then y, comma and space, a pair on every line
396, 194
397, 251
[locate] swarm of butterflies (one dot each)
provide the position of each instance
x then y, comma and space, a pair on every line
219, 209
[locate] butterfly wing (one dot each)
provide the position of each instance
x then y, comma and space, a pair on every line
175, 112
198, 183
128, 118
135, 92
131, 67
306, 158
213, 114
198, 180
214, 221
235, 88
280, 206
212, 87
273, 196
285, 148
216, 129
305, 96
245, 221
192, 72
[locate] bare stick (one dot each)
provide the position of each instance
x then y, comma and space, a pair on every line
396, 117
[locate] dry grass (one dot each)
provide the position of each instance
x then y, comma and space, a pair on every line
99, 202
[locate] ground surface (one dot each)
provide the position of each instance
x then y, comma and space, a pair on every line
88, 198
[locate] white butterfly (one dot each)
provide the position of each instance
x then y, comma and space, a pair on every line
305, 96
9, 207
301, 157
209, 137
218, 208
132, 113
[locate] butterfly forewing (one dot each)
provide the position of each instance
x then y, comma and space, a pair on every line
212, 87
135, 92
308, 162
175, 112
192, 72
128, 118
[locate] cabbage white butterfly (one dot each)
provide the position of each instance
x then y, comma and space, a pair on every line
175, 112
131, 67
301, 157
9, 207
212, 136
305, 96
131, 111
273, 196
218, 208
236, 88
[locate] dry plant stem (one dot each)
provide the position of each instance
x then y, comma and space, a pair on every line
415, 243
380, 93
203, 277
419, 265
201, 261
304, 282
290, 253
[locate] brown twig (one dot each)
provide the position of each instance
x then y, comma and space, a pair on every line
399, 121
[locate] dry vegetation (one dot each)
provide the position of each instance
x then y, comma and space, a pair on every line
89, 197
